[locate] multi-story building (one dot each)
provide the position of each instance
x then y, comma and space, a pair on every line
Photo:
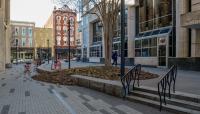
164, 34
43, 43
22, 40
61, 20
93, 43
160, 33
78, 39
4, 34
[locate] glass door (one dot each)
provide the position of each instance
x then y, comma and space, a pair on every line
162, 51
162, 55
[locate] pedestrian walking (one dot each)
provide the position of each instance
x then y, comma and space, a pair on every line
114, 58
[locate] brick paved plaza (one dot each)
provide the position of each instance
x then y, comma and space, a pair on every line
19, 94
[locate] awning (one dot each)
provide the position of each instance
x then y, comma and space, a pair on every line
155, 33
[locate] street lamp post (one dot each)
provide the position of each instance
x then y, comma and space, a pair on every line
16, 51
48, 49
122, 69
69, 42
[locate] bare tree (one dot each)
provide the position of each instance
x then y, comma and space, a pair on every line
107, 11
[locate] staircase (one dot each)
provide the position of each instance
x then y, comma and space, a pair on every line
180, 103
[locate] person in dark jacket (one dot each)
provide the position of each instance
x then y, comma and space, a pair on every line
114, 57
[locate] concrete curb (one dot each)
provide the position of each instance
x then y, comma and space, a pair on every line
110, 87
105, 86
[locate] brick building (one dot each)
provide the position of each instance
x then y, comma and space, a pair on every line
59, 21
22, 43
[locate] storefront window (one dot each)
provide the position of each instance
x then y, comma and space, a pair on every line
153, 51
138, 52
145, 43
145, 52
117, 48
138, 44
146, 47
96, 51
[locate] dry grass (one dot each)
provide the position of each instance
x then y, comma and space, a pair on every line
108, 73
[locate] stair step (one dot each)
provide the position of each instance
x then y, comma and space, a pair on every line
172, 101
168, 107
176, 95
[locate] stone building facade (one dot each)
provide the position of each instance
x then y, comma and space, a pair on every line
43, 43
160, 33
4, 34
79, 38
22, 41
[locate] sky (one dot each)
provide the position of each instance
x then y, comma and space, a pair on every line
37, 11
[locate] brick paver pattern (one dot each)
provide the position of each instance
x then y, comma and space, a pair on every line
19, 94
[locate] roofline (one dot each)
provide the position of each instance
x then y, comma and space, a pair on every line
24, 22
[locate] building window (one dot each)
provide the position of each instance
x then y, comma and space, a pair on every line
23, 31
0, 3
16, 31
65, 20
97, 32
146, 47
58, 20
65, 29
117, 48
30, 32
30, 42
23, 42
96, 51
154, 14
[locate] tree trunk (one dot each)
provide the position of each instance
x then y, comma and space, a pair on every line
108, 43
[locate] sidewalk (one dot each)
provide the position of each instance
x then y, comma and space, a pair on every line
64, 65
19, 94
187, 81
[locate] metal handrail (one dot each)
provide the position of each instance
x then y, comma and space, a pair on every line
132, 75
166, 82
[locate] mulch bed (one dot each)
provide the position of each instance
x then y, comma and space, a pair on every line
108, 73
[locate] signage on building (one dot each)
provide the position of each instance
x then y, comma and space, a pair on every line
162, 41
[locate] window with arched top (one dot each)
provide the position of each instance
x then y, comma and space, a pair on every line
58, 40
65, 20
71, 21
58, 19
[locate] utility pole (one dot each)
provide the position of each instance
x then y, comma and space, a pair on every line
69, 43
48, 49
122, 69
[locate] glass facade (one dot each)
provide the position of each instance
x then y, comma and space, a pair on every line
96, 51
97, 32
146, 47
154, 18
154, 14
116, 47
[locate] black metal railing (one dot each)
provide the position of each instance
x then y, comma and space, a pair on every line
132, 75
166, 82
